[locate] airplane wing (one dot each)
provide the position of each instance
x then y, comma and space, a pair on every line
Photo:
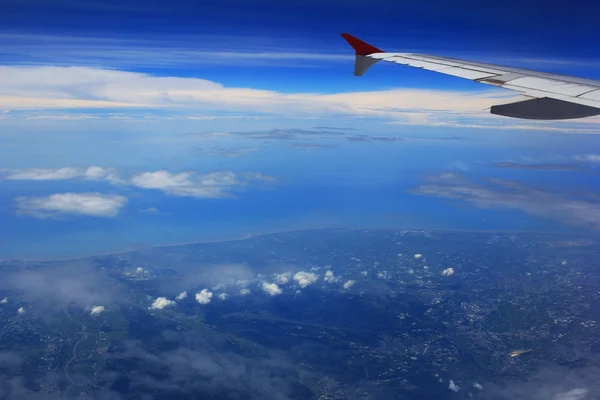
549, 96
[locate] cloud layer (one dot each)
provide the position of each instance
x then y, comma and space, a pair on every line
505, 194
51, 87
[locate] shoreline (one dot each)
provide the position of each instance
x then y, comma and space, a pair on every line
274, 232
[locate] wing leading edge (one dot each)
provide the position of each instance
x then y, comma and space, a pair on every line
549, 96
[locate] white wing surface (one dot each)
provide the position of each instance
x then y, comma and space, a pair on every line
549, 96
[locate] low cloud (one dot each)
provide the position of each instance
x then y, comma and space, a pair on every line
593, 158
549, 383
89, 204
283, 278
348, 284
330, 277
94, 173
204, 296
227, 152
96, 310
64, 284
211, 185
271, 288
244, 291
305, 279
200, 367
568, 208
538, 167
181, 296
161, 303
41, 174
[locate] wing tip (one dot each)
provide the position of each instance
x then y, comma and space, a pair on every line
362, 48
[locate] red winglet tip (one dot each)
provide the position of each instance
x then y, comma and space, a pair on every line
361, 48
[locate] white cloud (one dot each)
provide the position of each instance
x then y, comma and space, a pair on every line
21, 310
162, 302
211, 185
42, 174
271, 288
244, 292
575, 394
348, 284
453, 386
478, 386
418, 256
51, 87
305, 278
150, 210
448, 272
4, 300
330, 277
204, 296
568, 206
181, 296
139, 270
89, 204
283, 278
96, 310
30, 87
588, 158
94, 173
223, 296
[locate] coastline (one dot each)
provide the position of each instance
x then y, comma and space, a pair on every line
274, 232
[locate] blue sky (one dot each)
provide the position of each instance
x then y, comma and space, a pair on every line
126, 124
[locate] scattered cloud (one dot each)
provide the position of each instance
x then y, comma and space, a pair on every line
204, 296
418, 256
283, 278
330, 277
4, 300
448, 272
305, 279
538, 166
94, 173
42, 174
161, 303
594, 158
21, 310
89, 204
64, 284
567, 207
150, 210
181, 296
211, 185
313, 146
271, 288
97, 310
348, 284
244, 291
453, 386
551, 382
223, 296
227, 152
367, 138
